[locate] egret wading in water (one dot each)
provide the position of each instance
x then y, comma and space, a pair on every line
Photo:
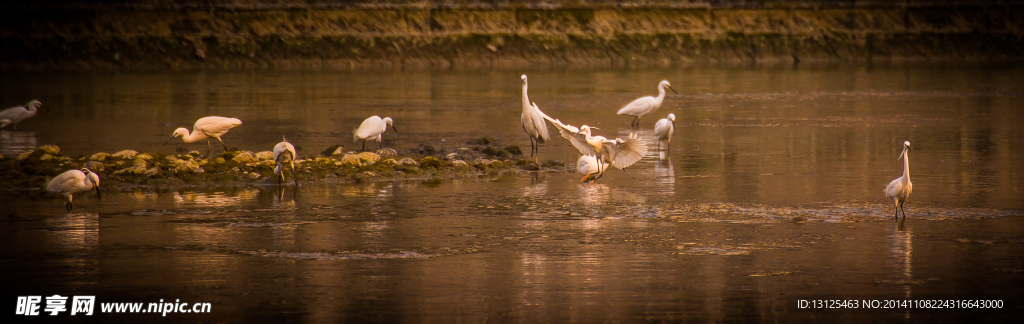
373, 129
533, 123
284, 152
13, 116
588, 166
205, 128
74, 181
663, 130
620, 153
645, 105
899, 189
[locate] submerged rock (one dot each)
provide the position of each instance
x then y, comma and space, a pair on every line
125, 154
23, 156
152, 172
101, 156
144, 156
47, 157
460, 165
50, 149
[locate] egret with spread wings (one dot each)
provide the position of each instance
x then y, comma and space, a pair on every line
620, 153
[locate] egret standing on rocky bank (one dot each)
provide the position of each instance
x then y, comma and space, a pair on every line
284, 152
13, 116
373, 129
533, 123
74, 181
645, 105
206, 127
899, 189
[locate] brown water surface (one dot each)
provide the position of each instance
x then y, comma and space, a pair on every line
772, 189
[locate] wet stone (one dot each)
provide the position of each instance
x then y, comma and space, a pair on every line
390, 162
144, 156
460, 165
409, 162
126, 154
188, 167
360, 159
23, 156
386, 152
94, 166
50, 149
47, 157
101, 156
134, 169
152, 172
244, 158
265, 155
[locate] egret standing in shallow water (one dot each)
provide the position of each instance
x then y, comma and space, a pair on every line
13, 116
645, 105
206, 127
899, 189
663, 130
74, 181
620, 153
373, 129
588, 166
284, 152
533, 123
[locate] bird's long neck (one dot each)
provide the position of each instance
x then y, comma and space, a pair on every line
31, 110
526, 99
661, 92
192, 137
906, 165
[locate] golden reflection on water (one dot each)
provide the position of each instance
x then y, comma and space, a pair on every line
16, 142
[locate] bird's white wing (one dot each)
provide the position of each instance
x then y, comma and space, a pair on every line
638, 107
893, 189
12, 114
571, 133
283, 147
215, 126
663, 129
624, 153
64, 182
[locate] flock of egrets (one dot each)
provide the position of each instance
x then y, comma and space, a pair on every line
598, 152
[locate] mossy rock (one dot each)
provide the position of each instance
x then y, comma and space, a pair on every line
360, 159
264, 155
125, 154
244, 158
95, 166
431, 162
101, 156
50, 149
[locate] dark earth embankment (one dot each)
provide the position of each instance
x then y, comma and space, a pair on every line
360, 34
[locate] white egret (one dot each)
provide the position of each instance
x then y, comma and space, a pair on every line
663, 130
13, 116
74, 181
284, 152
373, 129
899, 189
588, 166
206, 127
645, 105
533, 123
620, 153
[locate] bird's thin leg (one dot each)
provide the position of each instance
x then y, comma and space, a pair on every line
69, 205
222, 143
896, 203
380, 143
904, 210
208, 149
364, 145
294, 177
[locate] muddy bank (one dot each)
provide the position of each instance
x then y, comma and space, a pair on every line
130, 169
422, 34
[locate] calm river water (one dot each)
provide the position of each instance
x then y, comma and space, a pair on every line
772, 190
